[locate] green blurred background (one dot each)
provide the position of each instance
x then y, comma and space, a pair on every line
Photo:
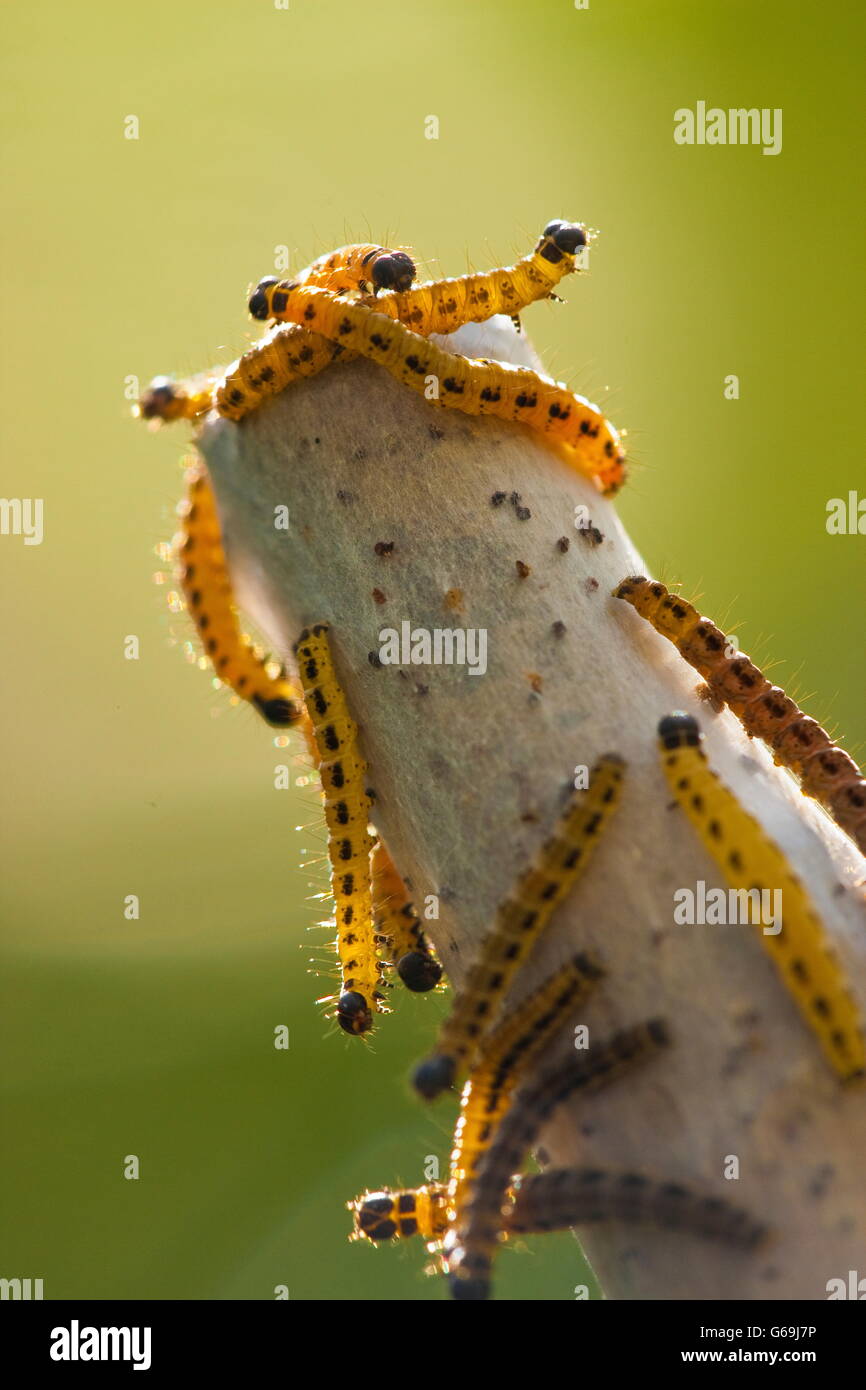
260, 127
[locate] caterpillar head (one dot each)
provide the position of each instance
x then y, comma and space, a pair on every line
162, 400
260, 299
353, 1013
568, 237
419, 971
679, 730
393, 271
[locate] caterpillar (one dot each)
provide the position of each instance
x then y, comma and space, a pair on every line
398, 926
470, 1242
749, 860
557, 1200
437, 307
519, 921
167, 400
285, 356
798, 742
470, 385
291, 353
343, 771
441, 306
507, 1053
204, 578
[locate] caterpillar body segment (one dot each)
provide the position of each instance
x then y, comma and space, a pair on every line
343, 773
399, 927
508, 1051
471, 1241
519, 921
557, 1200
751, 861
288, 355
797, 741
204, 578
441, 306
472, 386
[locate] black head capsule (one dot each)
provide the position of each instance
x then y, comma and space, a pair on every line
374, 1216
353, 1015
679, 730
278, 711
158, 399
568, 236
419, 972
434, 1076
259, 305
394, 271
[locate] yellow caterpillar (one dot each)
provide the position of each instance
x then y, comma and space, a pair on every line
470, 1243
286, 356
508, 1052
437, 307
167, 400
520, 919
467, 384
750, 860
398, 926
204, 578
343, 772
441, 306
558, 1199
798, 742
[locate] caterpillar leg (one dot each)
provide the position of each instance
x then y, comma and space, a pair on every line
399, 927
472, 1238
519, 921
798, 742
470, 385
751, 862
343, 772
204, 578
560, 1199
